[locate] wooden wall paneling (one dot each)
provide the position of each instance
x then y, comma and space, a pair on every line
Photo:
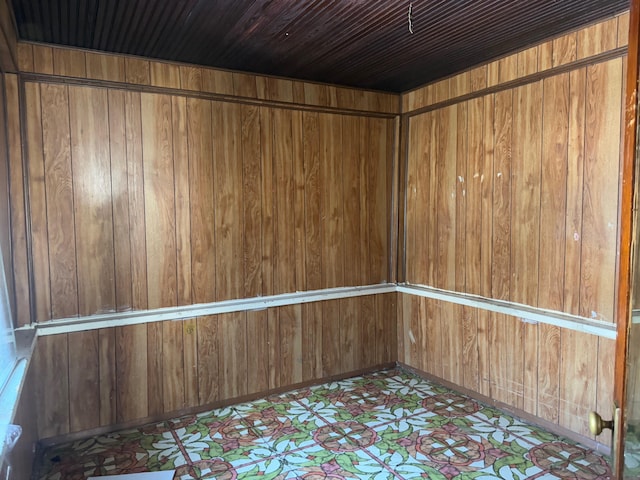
69, 62
208, 359
137, 71
52, 385
182, 199
501, 248
430, 333
351, 189
473, 197
312, 200
120, 200
135, 184
232, 355
414, 342
217, 81
525, 193
364, 160
107, 376
402, 324
201, 194
89, 125
386, 309
84, 378
284, 239
172, 367
25, 57
290, 325
17, 171
244, 85
105, 67
164, 75
565, 49
190, 361
38, 205
273, 325
159, 204
462, 176
469, 350
43, 59
190, 78
487, 185
527, 61
257, 351
577, 386
484, 359
575, 173
446, 182
251, 200
350, 329
478, 78
331, 201
155, 375
371, 332
507, 68
506, 353
623, 30
381, 133
601, 164
427, 201
56, 144
312, 334
298, 185
553, 213
412, 219
597, 38
268, 200
331, 335
226, 124
131, 372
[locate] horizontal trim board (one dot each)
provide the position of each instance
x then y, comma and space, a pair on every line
119, 319
524, 312
179, 92
519, 82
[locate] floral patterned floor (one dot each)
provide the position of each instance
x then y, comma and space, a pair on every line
386, 425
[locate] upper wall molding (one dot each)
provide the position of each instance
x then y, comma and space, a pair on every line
81, 64
591, 43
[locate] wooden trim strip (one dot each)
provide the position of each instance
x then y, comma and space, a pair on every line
524, 312
518, 82
133, 87
119, 319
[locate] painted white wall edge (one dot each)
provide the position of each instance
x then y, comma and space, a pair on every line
524, 312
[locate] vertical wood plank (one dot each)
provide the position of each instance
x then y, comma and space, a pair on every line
157, 148
228, 200
155, 375
172, 367
378, 196
107, 375
217, 81
284, 236
208, 359
135, 183
268, 200
43, 59
474, 187
232, 355
352, 212
290, 325
487, 185
84, 375
137, 71
131, 372
274, 343
120, 199
564, 49
105, 67
182, 200
349, 334
298, 185
257, 351
331, 355
164, 75
602, 144
58, 177
312, 200
201, 201
38, 202
190, 78
190, 361
251, 201
52, 389
69, 63
312, 327
92, 199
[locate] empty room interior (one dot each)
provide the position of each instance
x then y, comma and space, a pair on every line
372, 216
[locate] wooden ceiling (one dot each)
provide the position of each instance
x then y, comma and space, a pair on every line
361, 43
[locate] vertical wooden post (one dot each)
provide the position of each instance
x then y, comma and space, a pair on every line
626, 228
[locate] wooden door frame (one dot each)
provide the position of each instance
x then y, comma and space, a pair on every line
626, 228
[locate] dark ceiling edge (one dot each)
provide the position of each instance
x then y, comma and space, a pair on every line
514, 52
184, 64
